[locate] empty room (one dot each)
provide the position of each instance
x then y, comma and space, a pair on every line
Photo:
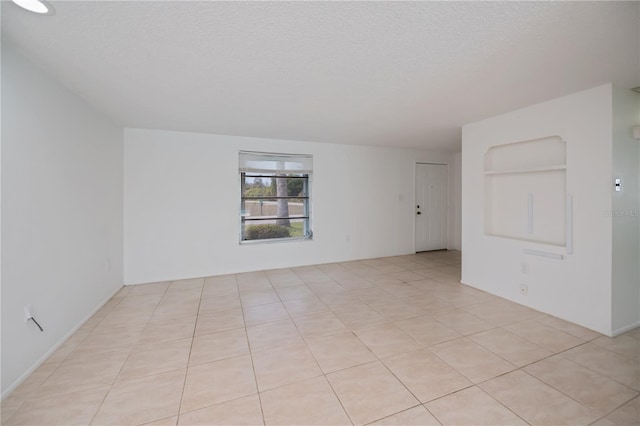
320, 213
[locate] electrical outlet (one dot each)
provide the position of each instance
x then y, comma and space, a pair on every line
27, 313
524, 267
524, 289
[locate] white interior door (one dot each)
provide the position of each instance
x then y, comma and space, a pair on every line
431, 207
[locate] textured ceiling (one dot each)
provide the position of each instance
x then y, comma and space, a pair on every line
375, 73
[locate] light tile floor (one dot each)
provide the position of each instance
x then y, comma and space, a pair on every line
391, 341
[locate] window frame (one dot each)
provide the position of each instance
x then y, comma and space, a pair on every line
306, 175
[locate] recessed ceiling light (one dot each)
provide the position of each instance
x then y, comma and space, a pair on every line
35, 6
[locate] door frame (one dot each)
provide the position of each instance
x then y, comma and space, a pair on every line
415, 200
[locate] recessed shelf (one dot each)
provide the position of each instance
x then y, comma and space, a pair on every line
525, 191
528, 170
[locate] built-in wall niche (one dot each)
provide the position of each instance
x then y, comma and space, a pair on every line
526, 191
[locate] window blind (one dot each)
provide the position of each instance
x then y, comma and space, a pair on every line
257, 162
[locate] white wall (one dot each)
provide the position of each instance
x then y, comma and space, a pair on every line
577, 288
61, 213
182, 201
455, 199
626, 211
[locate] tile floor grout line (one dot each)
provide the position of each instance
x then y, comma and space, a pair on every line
253, 367
193, 338
324, 374
637, 393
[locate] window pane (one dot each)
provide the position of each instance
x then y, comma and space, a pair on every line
269, 229
274, 186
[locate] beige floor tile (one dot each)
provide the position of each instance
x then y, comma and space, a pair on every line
500, 312
139, 289
250, 281
176, 309
635, 333
427, 331
142, 400
219, 303
416, 416
430, 305
265, 313
319, 325
401, 290
140, 302
548, 337
168, 330
243, 411
315, 404
169, 421
339, 351
215, 346
188, 284
283, 365
77, 408
177, 296
9, 406
273, 334
109, 340
333, 300
123, 317
224, 285
311, 275
395, 310
387, 340
258, 297
73, 342
471, 360
463, 322
359, 316
603, 422
585, 386
536, 402
425, 375
83, 373
370, 392
511, 347
219, 321
146, 360
628, 414
624, 345
305, 306
425, 284
567, 327
327, 288
372, 295
294, 292
609, 364
472, 407
281, 278
354, 283
218, 381
31, 386
407, 276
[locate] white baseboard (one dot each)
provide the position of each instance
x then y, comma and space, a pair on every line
624, 329
55, 347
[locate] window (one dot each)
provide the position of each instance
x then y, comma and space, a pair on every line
275, 196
